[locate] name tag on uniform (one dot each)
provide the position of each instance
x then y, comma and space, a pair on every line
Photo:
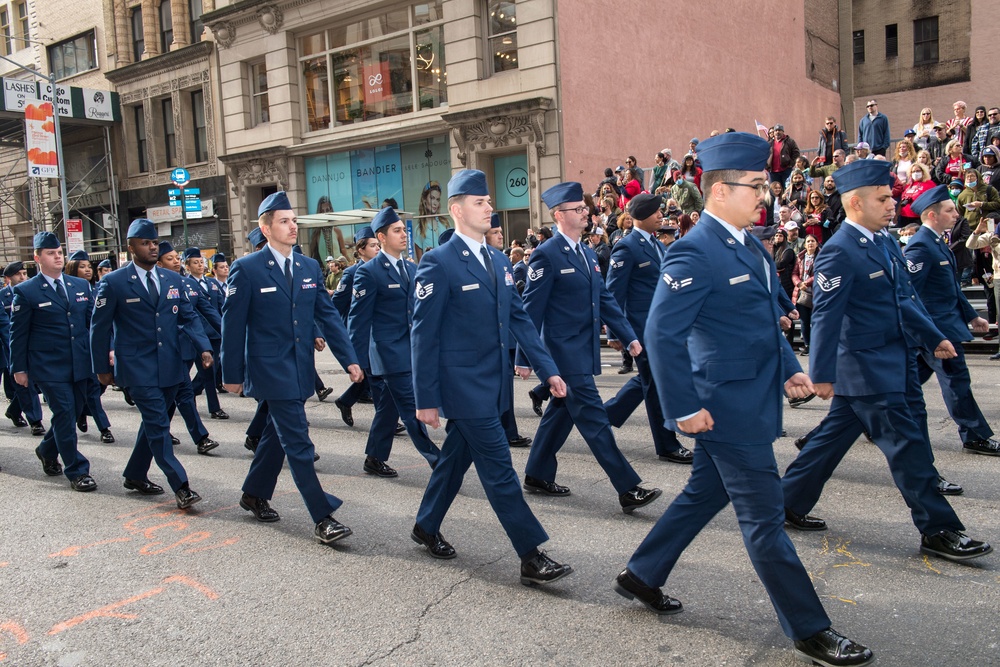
264, 290
47, 303
568, 271
945, 263
644, 264
393, 285
739, 279
877, 274
132, 300
466, 288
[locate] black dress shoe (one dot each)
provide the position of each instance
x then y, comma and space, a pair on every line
533, 485
987, 447
128, 396
623, 369
436, 545
520, 441
683, 456
50, 467
206, 445
251, 443
796, 402
946, 488
378, 468
143, 486
832, 649
536, 402
219, 414
261, 509
18, 420
345, 412
81, 423
637, 497
174, 441
83, 483
541, 569
953, 545
186, 497
803, 521
801, 442
219, 389
628, 585
107, 437
400, 429
37, 429
323, 393
315, 456
330, 530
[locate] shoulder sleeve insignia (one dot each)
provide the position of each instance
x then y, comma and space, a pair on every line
341, 286
230, 290
827, 284
676, 284
617, 265
358, 293
424, 291
535, 274
914, 268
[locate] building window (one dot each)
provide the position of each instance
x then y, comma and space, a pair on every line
260, 113
200, 133
197, 27
501, 34
384, 65
140, 138
925, 41
138, 43
24, 32
73, 56
891, 41
859, 47
166, 27
169, 134
6, 43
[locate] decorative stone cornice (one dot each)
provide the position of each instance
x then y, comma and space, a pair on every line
258, 167
269, 15
167, 62
270, 18
498, 126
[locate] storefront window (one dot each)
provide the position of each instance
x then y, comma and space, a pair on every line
375, 63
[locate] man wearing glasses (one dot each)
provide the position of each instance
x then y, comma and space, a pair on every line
985, 133
874, 129
831, 139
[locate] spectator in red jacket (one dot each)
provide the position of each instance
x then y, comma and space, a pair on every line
918, 183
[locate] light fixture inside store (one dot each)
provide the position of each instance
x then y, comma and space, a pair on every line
507, 41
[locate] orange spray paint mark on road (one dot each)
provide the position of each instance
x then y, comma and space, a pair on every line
17, 631
224, 543
75, 550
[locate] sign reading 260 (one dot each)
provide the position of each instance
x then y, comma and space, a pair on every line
517, 182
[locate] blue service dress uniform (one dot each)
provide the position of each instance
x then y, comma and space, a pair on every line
268, 333
147, 333
342, 302
221, 287
462, 321
211, 322
379, 323
633, 274
933, 269
23, 400
567, 300
92, 404
48, 341
710, 280
866, 324
204, 380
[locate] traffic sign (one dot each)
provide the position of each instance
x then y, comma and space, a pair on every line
180, 176
188, 192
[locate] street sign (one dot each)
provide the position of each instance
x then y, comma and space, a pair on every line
74, 235
188, 192
180, 176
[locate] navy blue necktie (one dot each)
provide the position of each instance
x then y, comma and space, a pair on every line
288, 273
403, 277
151, 286
488, 264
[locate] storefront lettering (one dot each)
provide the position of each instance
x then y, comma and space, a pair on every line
377, 170
325, 178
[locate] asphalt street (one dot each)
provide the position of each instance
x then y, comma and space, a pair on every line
113, 578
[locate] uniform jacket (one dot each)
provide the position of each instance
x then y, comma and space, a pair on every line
381, 315
863, 310
461, 330
147, 335
268, 331
567, 302
933, 268
709, 282
48, 335
345, 289
632, 278
4, 336
211, 318
216, 292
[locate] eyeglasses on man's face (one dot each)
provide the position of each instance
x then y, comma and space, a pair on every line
579, 210
759, 188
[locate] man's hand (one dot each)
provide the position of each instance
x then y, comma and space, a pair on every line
357, 375
523, 372
320, 344
824, 390
700, 423
615, 345
106, 379
793, 314
233, 388
558, 386
979, 326
21, 379
429, 416
635, 348
111, 357
785, 323
975, 205
945, 350
799, 386
206, 359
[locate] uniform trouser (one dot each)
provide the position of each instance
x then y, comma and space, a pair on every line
639, 388
287, 435
747, 476
92, 405
888, 421
24, 400
393, 396
318, 382
542, 391
956, 388
259, 421
204, 380
480, 441
153, 439
184, 401
63, 399
584, 408
507, 418
355, 391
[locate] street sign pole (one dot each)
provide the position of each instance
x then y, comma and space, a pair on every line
184, 217
181, 177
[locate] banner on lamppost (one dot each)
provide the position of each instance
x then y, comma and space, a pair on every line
74, 235
40, 139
